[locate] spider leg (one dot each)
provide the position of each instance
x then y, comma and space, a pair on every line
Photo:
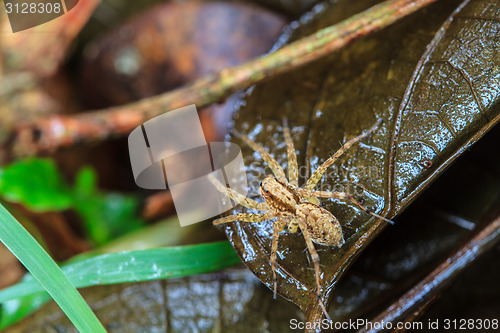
237, 197
244, 217
341, 196
277, 227
293, 168
316, 176
293, 225
315, 259
273, 164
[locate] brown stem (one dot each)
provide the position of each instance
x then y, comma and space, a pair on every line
54, 132
315, 317
158, 205
441, 276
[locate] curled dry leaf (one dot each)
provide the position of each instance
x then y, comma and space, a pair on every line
436, 86
293, 7
172, 44
30, 82
169, 45
41, 50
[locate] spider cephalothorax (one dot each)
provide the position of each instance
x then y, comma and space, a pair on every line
280, 197
295, 207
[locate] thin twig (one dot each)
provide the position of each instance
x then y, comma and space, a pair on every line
440, 277
51, 133
158, 205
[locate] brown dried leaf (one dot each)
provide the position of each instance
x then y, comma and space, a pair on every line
42, 49
10, 269
171, 44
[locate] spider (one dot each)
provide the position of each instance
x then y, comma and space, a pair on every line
295, 207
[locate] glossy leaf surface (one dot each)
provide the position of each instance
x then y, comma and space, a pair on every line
435, 82
228, 301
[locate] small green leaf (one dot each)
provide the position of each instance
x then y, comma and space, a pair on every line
86, 181
36, 183
105, 215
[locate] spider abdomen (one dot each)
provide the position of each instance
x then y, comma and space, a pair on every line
323, 227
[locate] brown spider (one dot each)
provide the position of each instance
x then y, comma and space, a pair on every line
294, 206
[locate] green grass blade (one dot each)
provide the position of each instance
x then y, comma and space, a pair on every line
134, 266
47, 273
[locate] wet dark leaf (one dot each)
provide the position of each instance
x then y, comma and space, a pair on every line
436, 86
394, 261
449, 212
228, 301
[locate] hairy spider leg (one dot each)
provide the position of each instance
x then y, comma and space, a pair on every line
316, 176
237, 197
245, 217
278, 226
341, 196
293, 226
293, 167
271, 162
315, 258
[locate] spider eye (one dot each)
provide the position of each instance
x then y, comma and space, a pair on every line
266, 191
